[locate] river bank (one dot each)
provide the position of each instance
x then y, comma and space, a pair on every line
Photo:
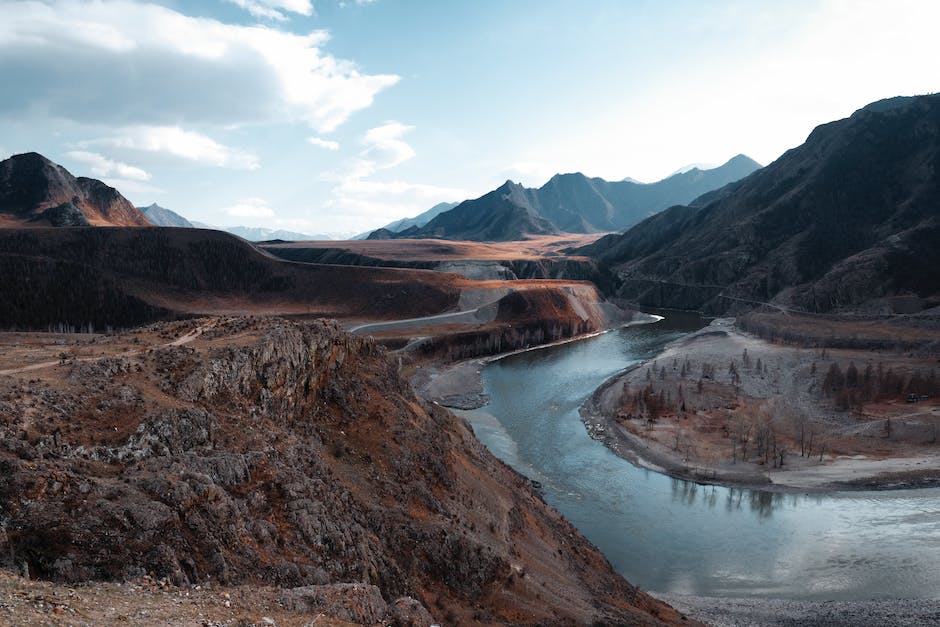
673, 536
459, 385
718, 388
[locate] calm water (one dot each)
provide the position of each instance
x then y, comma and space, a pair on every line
674, 536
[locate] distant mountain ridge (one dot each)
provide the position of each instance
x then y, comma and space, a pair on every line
848, 221
261, 234
422, 218
571, 203
161, 216
34, 190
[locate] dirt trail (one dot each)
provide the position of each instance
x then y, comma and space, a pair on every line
180, 341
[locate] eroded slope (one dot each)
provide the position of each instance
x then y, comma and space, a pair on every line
246, 450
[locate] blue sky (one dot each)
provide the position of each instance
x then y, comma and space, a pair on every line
337, 116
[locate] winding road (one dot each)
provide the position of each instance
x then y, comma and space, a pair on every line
484, 313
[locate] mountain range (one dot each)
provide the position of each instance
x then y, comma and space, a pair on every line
261, 234
569, 203
37, 192
418, 221
161, 216
848, 221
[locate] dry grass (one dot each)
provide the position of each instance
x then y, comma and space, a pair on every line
446, 250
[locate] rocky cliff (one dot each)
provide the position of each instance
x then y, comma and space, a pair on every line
259, 450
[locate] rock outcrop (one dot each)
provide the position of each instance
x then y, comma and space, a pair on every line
287, 454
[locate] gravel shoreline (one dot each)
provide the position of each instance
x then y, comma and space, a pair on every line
731, 612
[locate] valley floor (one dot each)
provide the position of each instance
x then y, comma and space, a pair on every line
459, 385
887, 444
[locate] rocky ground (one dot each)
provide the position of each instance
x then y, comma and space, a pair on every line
276, 455
146, 601
700, 409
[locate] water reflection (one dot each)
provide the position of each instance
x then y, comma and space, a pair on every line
760, 502
673, 535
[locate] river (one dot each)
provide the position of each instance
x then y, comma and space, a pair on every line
673, 536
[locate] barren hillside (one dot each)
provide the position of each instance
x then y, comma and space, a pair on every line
246, 450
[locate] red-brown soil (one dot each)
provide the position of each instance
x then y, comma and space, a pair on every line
535, 247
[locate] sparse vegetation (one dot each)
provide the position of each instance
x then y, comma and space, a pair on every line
774, 407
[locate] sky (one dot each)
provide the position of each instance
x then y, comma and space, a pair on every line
339, 116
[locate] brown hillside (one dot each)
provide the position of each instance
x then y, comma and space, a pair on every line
99, 278
246, 450
847, 222
125, 277
446, 250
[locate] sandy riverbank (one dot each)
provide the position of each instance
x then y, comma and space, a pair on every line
776, 388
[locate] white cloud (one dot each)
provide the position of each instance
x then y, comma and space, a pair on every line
269, 9
174, 141
324, 143
364, 203
385, 147
101, 167
379, 189
129, 180
129, 63
249, 208
369, 209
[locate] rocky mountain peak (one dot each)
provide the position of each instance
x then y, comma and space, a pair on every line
848, 220
30, 183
